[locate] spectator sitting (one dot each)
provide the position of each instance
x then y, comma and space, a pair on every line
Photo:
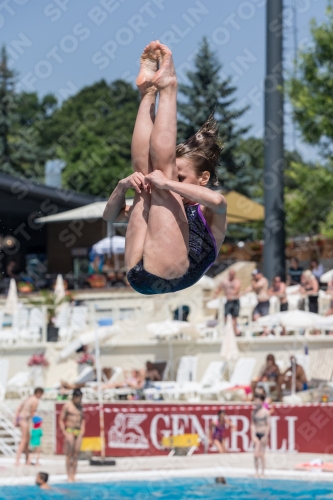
152, 373
135, 379
107, 266
316, 269
309, 288
294, 272
269, 373
301, 383
231, 288
118, 281
260, 287
96, 266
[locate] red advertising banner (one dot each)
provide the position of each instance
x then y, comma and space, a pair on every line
133, 429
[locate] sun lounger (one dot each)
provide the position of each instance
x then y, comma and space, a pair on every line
186, 372
240, 380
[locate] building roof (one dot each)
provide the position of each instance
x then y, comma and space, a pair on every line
22, 188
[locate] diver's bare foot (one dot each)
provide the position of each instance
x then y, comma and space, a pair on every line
148, 68
166, 75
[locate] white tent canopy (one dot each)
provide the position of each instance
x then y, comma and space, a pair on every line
114, 245
91, 211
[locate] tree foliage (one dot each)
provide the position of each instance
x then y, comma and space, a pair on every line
309, 187
206, 92
92, 133
21, 152
311, 92
308, 199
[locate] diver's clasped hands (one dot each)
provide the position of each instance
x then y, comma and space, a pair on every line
141, 182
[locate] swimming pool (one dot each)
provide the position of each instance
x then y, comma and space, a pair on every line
178, 489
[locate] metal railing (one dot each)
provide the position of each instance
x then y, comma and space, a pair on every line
9, 434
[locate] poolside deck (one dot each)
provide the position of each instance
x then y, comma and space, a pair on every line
279, 466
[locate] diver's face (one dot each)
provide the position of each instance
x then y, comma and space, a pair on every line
186, 171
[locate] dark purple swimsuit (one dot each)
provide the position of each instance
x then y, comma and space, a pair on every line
201, 255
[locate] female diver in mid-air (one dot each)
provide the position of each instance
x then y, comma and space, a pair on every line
176, 224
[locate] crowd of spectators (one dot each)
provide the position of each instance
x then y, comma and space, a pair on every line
306, 283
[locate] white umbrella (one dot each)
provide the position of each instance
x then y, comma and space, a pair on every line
206, 283
229, 348
103, 333
12, 299
297, 319
326, 277
114, 244
213, 304
59, 289
167, 328
270, 320
326, 322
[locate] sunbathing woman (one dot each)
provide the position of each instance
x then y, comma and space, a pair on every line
176, 224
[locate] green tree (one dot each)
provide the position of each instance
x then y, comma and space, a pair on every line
20, 149
308, 199
309, 187
206, 92
310, 92
92, 133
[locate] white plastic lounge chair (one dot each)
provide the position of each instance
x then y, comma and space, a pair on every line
212, 376
20, 384
242, 376
77, 321
186, 372
33, 333
109, 394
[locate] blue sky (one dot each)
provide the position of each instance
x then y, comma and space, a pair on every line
62, 45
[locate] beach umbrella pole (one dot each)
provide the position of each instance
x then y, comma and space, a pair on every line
293, 380
102, 460
100, 397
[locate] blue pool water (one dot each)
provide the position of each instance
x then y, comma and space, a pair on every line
178, 489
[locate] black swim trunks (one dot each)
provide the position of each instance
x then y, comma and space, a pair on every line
262, 308
201, 255
232, 307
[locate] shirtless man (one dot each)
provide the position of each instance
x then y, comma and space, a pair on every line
72, 425
299, 373
231, 288
23, 414
278, 289
260, 287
